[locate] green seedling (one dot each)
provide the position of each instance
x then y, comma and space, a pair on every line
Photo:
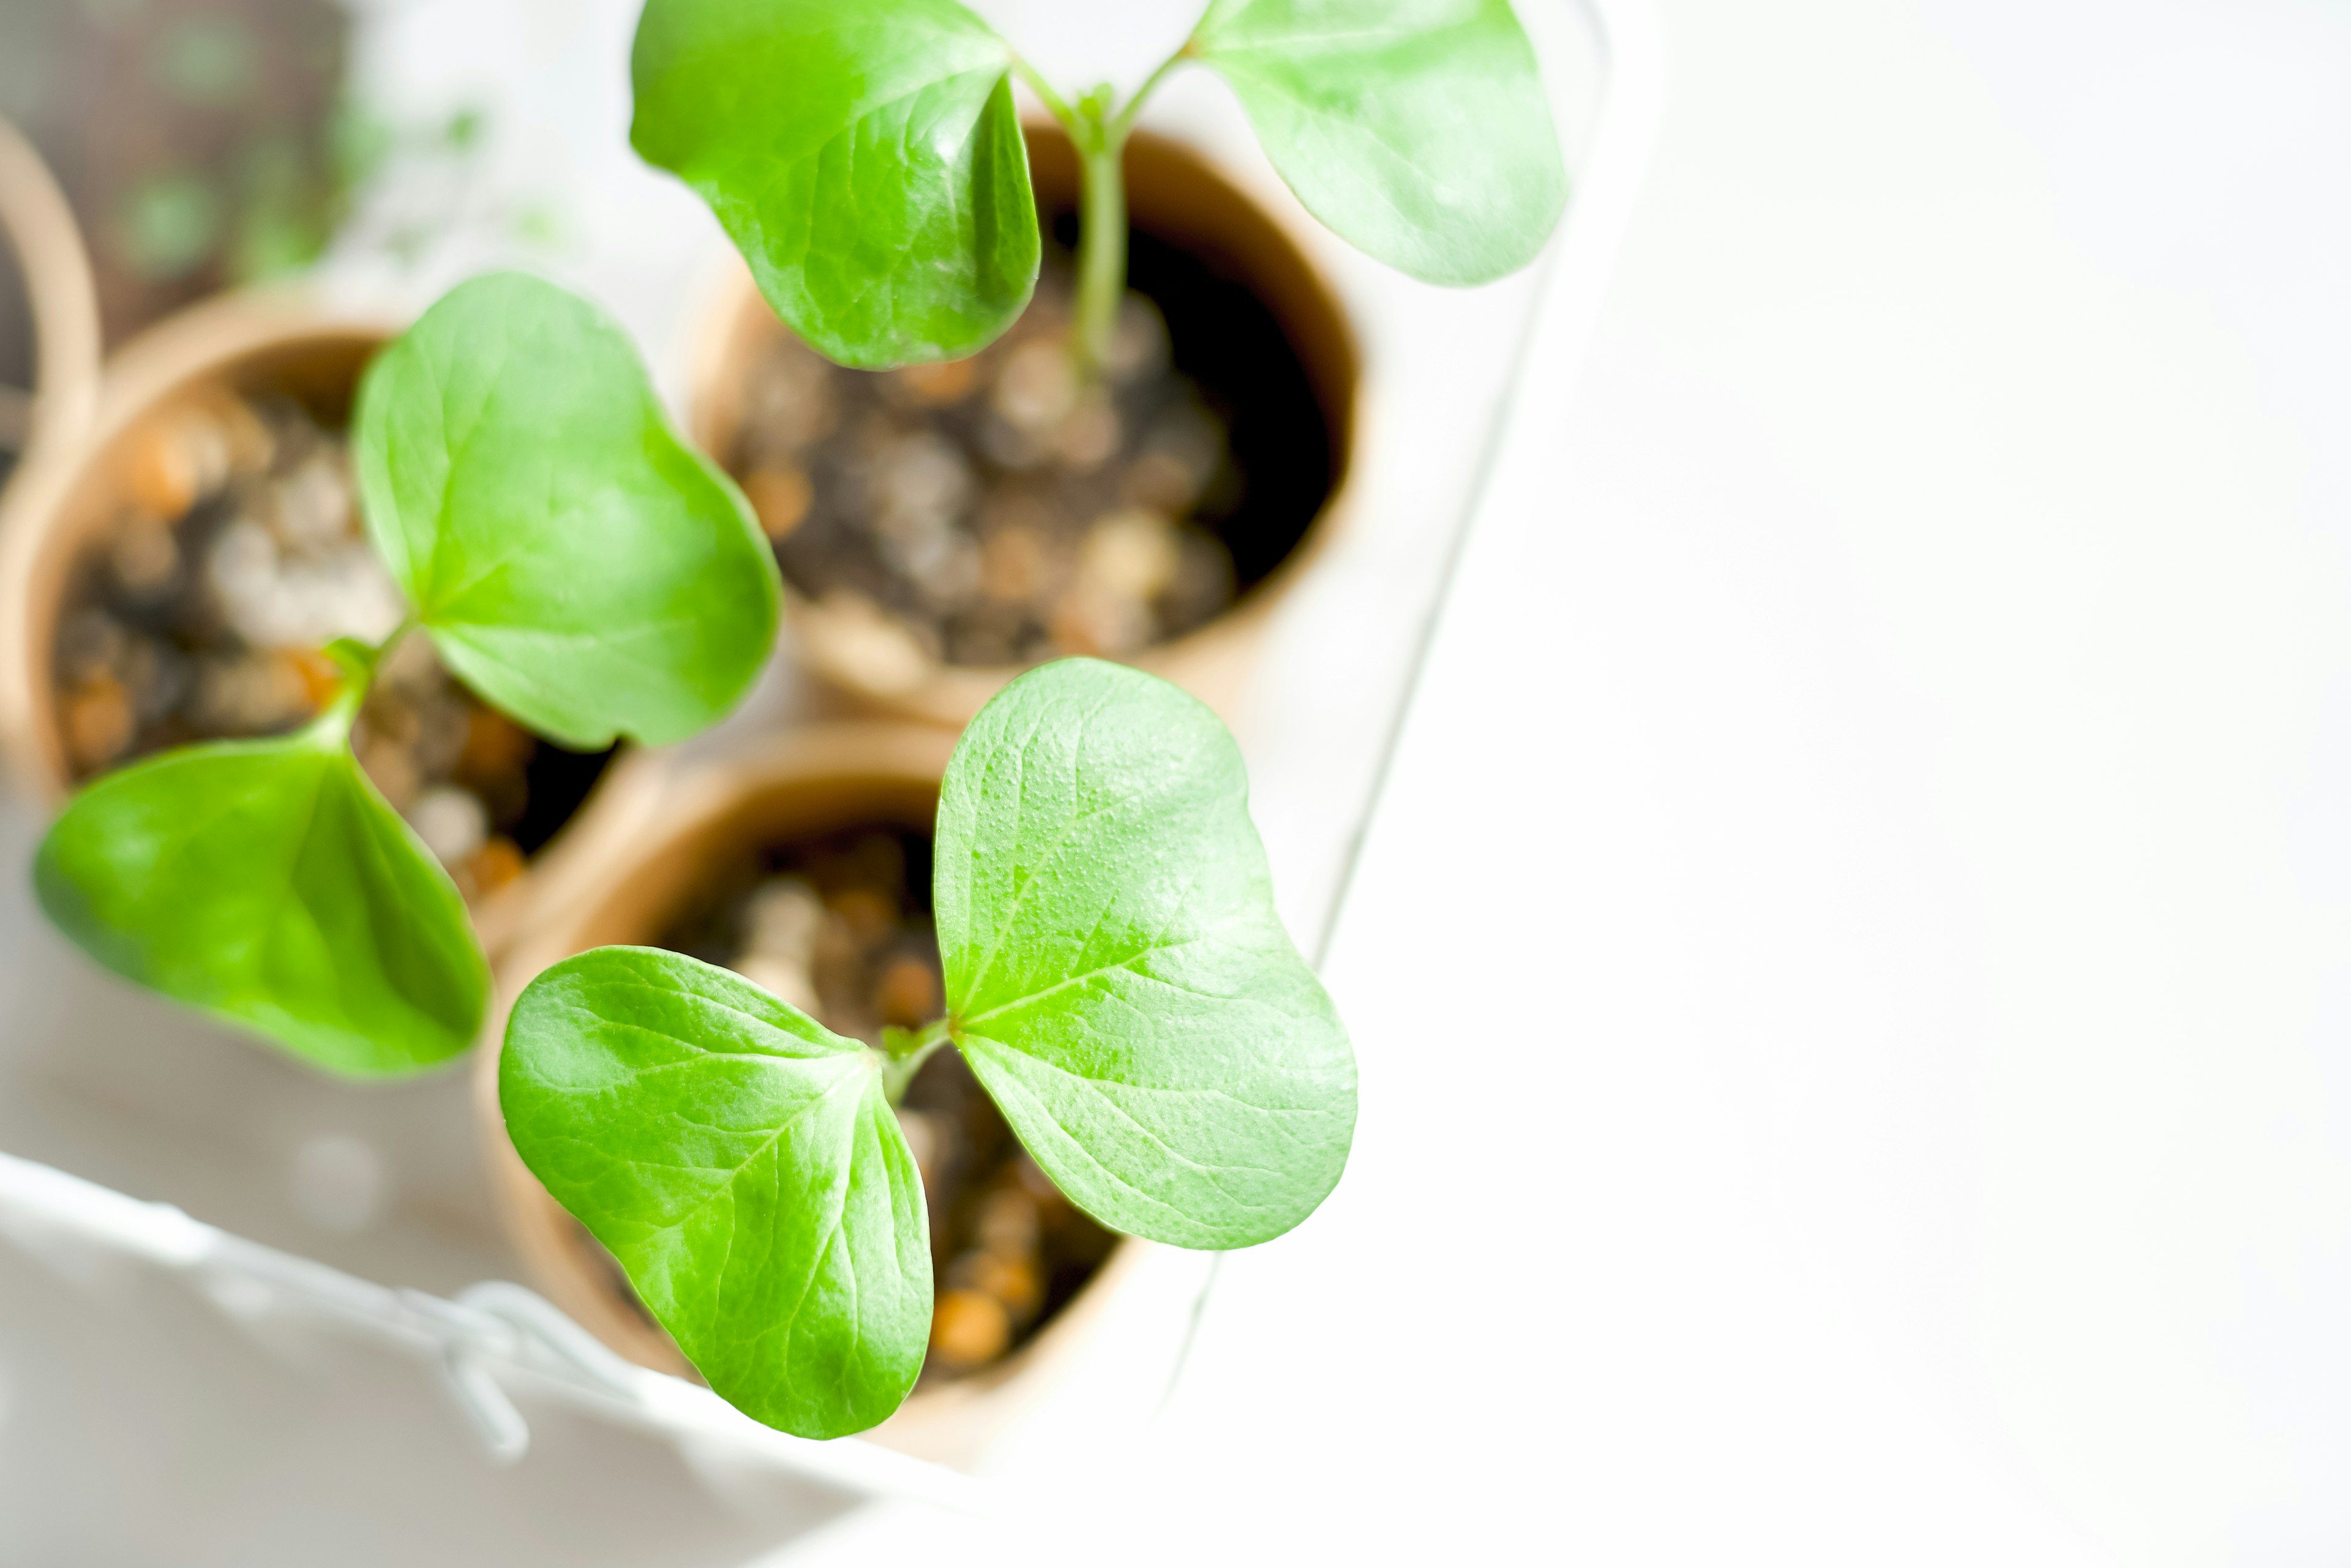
865, 155
1116, 978
570, 559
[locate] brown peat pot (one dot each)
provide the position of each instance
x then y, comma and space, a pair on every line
51, 275
1248, 319
647, 868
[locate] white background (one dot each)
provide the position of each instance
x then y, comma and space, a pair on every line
1855, 950
1849, 971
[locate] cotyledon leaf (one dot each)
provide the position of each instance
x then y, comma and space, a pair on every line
1116, 974
266, 883
1417, 130
743, 1164
572, 560
865, 158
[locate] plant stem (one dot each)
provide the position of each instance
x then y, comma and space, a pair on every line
358, 662
903, 1051
1124, 122
1101, 248
407, 625
1053, 100
1101, 140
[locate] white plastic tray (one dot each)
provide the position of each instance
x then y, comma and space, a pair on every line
309, 1418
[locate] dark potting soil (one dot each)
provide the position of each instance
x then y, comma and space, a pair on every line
1000, 511
839, 925
1229, 344
198, 613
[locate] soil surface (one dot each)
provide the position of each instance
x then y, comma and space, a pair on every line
1000, 510
840, 926
198, 612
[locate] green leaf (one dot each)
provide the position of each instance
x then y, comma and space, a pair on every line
572, 560
1115, 972
865, 156
1416, 128
267, 883
742, 1163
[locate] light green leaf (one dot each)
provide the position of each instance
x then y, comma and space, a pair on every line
865, 157
572, 560
267, 883
1115, 972
743, 1165
1416, 128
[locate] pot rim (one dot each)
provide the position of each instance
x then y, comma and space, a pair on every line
61, 289
617, 844
1205, 660
47, 512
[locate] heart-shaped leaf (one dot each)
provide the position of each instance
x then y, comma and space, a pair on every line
743, 1164
1416, 128
267, 883
865, 157
572, 560
1116, 974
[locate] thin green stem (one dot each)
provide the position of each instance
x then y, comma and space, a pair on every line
1101, 140
1053, 101
1134, 106
1101, 248
358, 661
1101, 231
903, 1051
407, 625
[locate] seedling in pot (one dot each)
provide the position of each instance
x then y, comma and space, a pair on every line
575, 565
866, 158
1116, 978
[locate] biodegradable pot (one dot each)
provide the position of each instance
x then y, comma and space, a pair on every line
238, 343
1175, 196
39, 227
639, 863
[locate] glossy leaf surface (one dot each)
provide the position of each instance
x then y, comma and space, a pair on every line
865, 158
1116, 974
1417, 130
743, 1165
572, 560
267, 883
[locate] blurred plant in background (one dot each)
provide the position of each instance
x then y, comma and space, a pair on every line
202, 142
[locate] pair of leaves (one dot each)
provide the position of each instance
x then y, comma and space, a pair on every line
867, 160
1115, 976
570, 559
